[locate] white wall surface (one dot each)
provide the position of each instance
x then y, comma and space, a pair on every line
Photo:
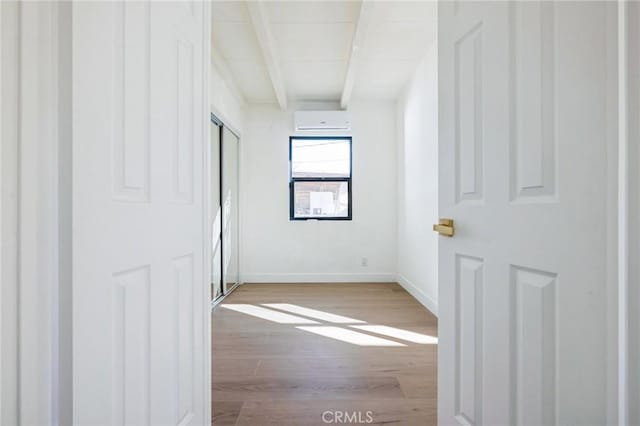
418, 183
226, 104
276, 249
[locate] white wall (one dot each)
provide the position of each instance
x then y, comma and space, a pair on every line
226, 103
418, 183
276, 249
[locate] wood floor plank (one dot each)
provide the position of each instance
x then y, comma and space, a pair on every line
226, 413
223, 366
345, 366
417, 387
269, 373
407, 412
252, 388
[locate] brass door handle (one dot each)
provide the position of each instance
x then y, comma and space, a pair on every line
445, 227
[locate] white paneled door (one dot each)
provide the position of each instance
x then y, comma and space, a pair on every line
139, 289
524, 174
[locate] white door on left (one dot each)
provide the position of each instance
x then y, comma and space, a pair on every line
139, 286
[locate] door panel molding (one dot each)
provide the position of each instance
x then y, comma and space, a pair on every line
533, 136
468, 132
130, 109
131, 352
533, 346
469, 330
184, 123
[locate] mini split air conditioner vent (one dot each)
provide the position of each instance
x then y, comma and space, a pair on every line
322, 121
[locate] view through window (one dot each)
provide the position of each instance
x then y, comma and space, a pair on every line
320, 178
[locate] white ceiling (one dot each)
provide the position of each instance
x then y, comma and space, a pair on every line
312, 43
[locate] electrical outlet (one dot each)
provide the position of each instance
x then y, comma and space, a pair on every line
364, 261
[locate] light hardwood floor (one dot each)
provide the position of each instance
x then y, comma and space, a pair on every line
270, 373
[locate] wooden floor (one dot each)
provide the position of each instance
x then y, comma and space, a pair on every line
269, 373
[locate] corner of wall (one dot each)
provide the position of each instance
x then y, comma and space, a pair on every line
416, 115
419, 295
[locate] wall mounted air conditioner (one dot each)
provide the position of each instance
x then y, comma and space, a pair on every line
322, 121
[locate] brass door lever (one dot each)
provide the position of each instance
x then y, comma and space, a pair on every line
445, 227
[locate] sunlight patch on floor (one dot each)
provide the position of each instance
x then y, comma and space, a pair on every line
397, 333
313, 313
349, 336
273, 312
268, 314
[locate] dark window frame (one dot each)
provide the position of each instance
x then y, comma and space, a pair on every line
293, 180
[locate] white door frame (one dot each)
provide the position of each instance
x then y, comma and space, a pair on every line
3, 204
629, 208
35, 163
206, 204
623, 216
616, 223
30, 201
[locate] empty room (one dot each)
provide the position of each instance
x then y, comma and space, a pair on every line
311, 212
321, 95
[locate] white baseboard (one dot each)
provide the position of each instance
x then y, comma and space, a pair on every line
318, 278
418, 294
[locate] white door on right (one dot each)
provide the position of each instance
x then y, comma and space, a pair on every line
523, 171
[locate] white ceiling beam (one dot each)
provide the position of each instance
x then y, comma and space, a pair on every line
359, 38
267, 43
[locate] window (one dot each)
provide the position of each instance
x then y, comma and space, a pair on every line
320, 178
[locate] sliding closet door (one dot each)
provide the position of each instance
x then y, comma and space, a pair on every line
216, 214
230, 212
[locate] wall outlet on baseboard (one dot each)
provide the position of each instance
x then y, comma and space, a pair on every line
364, 261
